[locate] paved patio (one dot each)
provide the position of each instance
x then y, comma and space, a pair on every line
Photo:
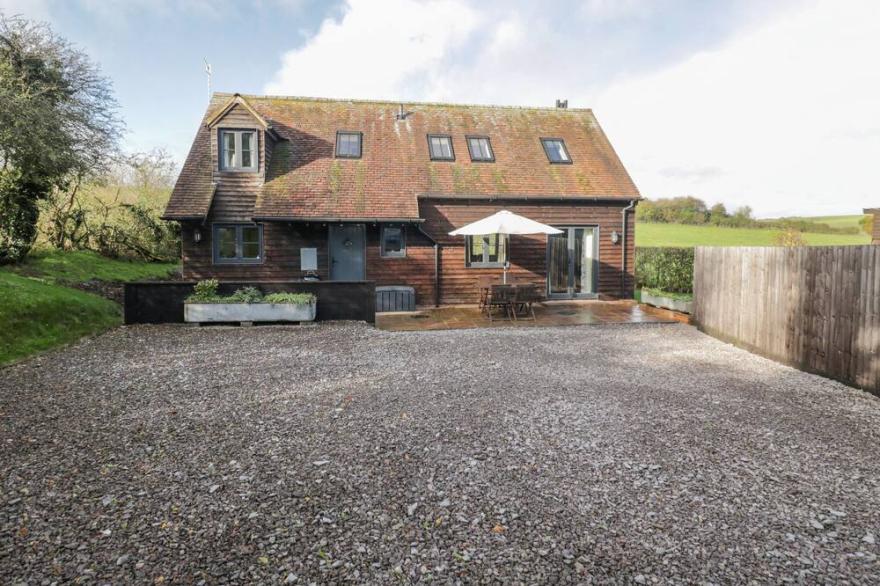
553, 313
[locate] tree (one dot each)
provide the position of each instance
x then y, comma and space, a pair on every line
717, 214
790, 237
867, 224
58, 126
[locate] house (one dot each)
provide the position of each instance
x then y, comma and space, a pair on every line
875, 233
286, 188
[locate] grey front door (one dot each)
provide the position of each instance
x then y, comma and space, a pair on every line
347, 248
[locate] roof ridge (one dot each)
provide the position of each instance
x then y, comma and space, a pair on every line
398, 102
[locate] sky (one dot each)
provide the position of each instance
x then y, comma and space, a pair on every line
774, 105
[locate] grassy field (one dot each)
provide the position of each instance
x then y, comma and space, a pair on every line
685, 235
38, 310
833, 221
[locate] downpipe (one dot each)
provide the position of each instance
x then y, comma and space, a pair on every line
436, 264
632, 204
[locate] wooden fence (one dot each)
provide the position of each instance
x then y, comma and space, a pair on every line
815, 308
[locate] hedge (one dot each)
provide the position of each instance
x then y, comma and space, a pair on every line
668, 269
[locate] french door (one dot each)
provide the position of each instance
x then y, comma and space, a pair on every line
572, 262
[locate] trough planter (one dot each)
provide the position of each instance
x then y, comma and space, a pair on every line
681, 305
249, 312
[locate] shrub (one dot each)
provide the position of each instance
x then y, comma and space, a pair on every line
297, 298
245, 295
667, 269
204, 292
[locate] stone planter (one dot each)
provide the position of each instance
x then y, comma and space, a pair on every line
248, 312
681, 305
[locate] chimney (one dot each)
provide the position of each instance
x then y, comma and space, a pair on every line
563, 104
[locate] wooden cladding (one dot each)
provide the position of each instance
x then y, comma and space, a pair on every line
816, 308
458, 283
527, 254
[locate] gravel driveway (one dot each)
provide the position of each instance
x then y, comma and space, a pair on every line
342, 454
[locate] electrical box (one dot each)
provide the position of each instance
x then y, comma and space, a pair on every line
308, 259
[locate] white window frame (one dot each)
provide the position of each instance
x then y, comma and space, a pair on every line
236, 165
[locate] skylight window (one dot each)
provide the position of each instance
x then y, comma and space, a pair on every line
480, 149
555, 149
348, 145
440, 147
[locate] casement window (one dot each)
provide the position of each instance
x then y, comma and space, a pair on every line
392, 242
440, 147
555, 150
238, 150
238, 243
488, 250
349, 145
480, 149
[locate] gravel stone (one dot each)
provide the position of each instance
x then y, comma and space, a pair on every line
343, 454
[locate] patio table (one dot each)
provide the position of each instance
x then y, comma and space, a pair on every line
509, 296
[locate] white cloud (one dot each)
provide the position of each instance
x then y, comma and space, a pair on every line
377, 50
785, 118
788, 115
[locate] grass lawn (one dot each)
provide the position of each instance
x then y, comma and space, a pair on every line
38, 311
684, 235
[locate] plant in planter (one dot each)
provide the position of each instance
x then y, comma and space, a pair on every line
247, 305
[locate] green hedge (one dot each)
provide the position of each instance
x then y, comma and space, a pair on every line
668, 269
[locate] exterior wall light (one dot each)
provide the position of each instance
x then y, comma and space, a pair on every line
197, 235
615, 237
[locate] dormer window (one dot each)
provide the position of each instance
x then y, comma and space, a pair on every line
348, 145
555, 150
238, 150
480, 149
440, 147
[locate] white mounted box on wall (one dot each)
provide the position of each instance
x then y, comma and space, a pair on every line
308, 259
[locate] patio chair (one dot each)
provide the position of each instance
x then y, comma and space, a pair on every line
500, 296
485, 284
525, 296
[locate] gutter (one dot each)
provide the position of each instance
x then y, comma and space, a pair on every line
301, 219
528, 198
436, 264
632, 204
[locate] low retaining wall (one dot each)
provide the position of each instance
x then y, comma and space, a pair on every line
161, 302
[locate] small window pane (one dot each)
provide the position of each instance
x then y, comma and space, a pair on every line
348, 144
229, 150
480, 149
247, 149
556, 151
250, 242
441, 147
476, 248
226, 246
393, 243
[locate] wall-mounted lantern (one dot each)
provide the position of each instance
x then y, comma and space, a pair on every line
197, 235
615, 237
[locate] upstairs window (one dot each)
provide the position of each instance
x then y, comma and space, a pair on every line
555, 149
348, 145
238, 150
488, 250
440, 146
238, 243
480, 149
393, 242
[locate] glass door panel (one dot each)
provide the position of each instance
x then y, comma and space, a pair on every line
557, 270
571, 270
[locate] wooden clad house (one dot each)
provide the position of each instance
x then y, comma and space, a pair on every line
875, 232
278, 188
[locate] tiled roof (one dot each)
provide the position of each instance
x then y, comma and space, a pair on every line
304, 180
194, 190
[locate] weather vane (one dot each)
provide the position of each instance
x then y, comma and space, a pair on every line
208, 72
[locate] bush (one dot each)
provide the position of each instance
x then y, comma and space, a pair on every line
667, 269
296, 298
245, 295
205, 292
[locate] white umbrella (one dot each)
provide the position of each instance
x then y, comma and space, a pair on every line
504, 222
